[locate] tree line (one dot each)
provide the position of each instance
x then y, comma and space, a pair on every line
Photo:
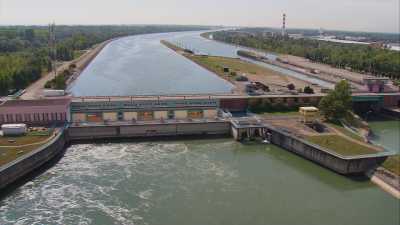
360, 58
25, 56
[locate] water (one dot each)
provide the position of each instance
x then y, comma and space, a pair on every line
387, 134
141, 65
194, 41
194, 182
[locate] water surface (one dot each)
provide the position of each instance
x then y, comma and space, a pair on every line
194, 182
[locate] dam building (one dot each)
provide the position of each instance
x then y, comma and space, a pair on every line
143, 110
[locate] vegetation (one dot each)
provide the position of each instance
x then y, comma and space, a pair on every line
337, 103
24, 53
346, 132
278, 108
361, 58
308, 90
393, 164
341, 145
8, 154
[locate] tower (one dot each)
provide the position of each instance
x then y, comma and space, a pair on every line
284, 25
53, 47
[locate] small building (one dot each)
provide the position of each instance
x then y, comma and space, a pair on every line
14, 129
35, 112
309, 114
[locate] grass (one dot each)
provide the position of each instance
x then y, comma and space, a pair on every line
216, 64
341, 145
22, 140
78, 53
393, 164
346, 132
13, 152
282, 113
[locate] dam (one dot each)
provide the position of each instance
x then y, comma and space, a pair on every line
200, 181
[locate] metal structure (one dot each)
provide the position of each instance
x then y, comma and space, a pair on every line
53, 48
284, 25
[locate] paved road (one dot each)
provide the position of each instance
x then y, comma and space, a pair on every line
35, 90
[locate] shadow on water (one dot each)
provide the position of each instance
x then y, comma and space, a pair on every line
316, 171
14, 187
150, 139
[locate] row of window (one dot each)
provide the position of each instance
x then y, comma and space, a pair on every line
34, 117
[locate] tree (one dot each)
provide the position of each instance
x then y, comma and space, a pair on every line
337, 103
308, 90
291, 87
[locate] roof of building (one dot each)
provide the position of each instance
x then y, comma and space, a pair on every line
309, 108
41, 102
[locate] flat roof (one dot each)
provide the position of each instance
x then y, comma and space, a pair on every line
41, 102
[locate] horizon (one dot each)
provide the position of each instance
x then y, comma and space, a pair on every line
334, 16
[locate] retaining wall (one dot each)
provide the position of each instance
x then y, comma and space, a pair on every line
148, 130
15, 170
326, 158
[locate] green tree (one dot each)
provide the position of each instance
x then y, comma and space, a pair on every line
337, 103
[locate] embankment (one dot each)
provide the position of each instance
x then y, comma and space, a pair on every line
17, 169
338, 163
148, 130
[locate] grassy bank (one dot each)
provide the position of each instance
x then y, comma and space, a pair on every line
341, 145
216, 64
13, 151
393, 164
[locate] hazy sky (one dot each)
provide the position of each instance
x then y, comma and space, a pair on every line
361, 15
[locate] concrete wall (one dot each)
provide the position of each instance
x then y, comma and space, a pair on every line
342, 165
78, 117
15, 170
210, 113
148, 130
110, 116
181, 114
160, 114
129, 116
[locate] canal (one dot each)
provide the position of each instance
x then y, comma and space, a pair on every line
141, 65
194, 182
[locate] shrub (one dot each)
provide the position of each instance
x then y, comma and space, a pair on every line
308, 90
291, 87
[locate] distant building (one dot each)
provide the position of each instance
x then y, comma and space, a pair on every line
35, 112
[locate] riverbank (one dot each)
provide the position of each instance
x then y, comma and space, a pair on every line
240, 72
35, 90
30, 161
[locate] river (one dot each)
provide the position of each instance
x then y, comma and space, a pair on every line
213, 181
141, 65
386, 133
194, 182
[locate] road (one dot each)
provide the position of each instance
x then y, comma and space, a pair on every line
35, 90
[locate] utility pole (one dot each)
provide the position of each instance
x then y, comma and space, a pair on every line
53, 48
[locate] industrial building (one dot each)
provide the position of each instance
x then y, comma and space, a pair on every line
144, 110
35, 112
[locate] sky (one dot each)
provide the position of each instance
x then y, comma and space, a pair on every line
355, 15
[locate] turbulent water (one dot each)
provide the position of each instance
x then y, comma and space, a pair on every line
193, 182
